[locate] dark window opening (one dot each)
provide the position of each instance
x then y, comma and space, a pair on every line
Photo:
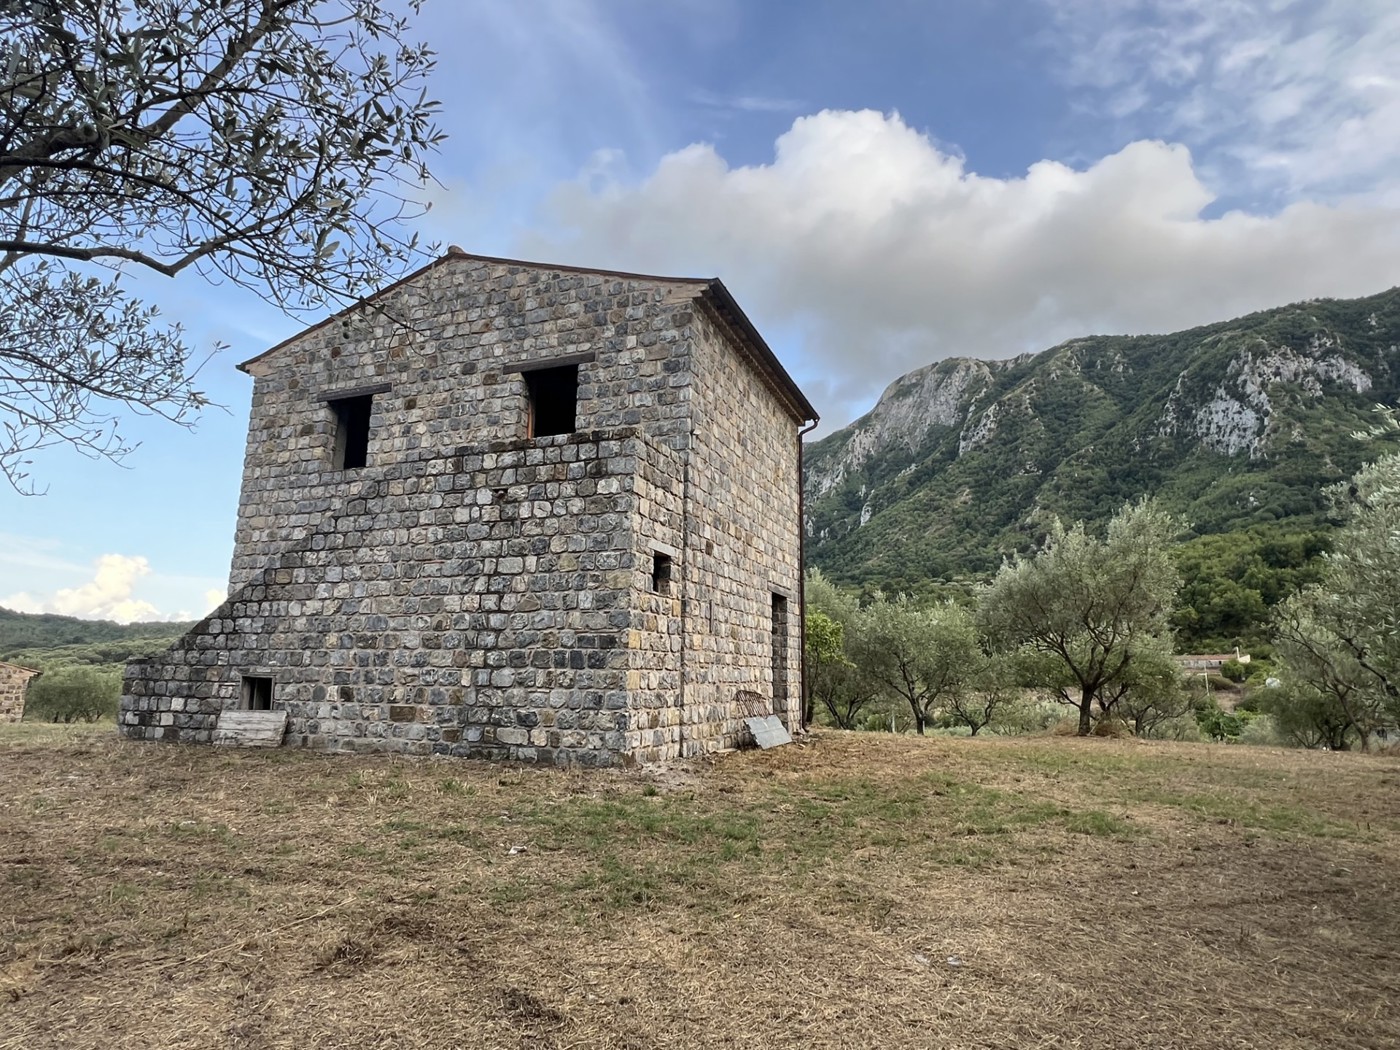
257, 693
780, 653
351, 450
553, 401
661, 573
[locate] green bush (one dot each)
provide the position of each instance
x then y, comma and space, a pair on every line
1233, 670
1030, 714
1181, 727
1261, 731
73, 694
1217, 724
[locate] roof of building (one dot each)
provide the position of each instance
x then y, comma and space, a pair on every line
710, 291
20, 667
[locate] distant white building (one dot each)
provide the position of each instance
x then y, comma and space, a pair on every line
1209, 661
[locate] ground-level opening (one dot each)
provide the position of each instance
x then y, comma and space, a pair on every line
780, 652
351, 448
257, 693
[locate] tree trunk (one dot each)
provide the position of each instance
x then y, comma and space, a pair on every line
1086, 706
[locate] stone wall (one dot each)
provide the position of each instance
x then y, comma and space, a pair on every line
487, 608
453, 379
743, 545
14, 683
472, 590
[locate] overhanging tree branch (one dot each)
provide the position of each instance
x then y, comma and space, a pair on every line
264, 142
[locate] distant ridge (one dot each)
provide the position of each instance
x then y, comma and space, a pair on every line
1236, 424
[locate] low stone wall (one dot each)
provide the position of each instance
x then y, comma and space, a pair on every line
14, 683
483, 603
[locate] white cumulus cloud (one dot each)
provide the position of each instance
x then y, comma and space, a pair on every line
107, 596
879, 251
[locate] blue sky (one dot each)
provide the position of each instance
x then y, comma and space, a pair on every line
880, 184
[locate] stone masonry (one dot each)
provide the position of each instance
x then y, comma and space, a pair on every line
625, 587
14, 683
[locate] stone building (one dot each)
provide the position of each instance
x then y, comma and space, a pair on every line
14, 683
511, 510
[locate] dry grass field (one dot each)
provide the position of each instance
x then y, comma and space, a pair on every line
853, 891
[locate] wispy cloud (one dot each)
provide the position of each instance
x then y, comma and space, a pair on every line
747, 103
32, 553
541, 70
1282, 97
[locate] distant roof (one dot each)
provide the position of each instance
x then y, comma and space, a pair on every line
20, 667
710, 290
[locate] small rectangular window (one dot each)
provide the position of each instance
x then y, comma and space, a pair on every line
257, 693
661, 573
553, 401
351, 448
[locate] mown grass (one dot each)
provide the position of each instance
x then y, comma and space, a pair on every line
191, 897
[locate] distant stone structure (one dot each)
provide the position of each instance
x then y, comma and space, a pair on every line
14, 684
1209, 661
510, 510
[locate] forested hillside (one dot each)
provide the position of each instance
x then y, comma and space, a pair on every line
42, 640
1236, 427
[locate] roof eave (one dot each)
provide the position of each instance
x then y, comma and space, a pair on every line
723, 302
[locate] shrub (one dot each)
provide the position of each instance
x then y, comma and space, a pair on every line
1218, 724
73, 694
1261, 731
1233, 670
1028, 714
1181, 728
1113, 727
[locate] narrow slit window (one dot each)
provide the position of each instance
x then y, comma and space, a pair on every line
661, 573
780, 652
553, 401
257, 693
351, 449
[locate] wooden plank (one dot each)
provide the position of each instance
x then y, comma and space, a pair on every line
251, 728
353, 391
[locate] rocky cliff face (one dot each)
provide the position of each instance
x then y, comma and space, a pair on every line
1228, 424
928, 398
1238, 416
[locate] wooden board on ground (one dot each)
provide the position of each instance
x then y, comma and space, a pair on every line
251, 728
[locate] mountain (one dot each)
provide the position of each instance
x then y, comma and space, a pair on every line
1234, 426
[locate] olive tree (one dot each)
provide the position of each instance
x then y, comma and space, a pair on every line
1087, 608
991, 691
833, 679
922, 656
1305, 716
73, 694
270, 144
1151, 694
1328, 683
1340, 638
